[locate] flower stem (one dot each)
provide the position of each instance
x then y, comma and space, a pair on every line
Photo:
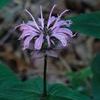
44, 79
44, 75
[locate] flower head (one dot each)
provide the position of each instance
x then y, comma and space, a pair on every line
46, 35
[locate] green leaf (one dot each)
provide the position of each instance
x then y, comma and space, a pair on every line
11, 88
61, 92
6, 76
29, 90
3, 3
88, 24
96, 77
78, 78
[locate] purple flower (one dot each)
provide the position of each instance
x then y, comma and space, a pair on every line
46, 35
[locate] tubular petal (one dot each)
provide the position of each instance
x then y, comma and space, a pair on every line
27, 42
24, 35
42, 19
38, 42
27, 27
60, 24
33, 34
33, 19
60, 16
51, 20
61, 38
50, 15
66, 31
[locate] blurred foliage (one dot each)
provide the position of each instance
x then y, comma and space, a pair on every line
88, 24
4, 3
12, 88
78, 79
96, 78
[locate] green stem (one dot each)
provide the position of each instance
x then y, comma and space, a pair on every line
45, 79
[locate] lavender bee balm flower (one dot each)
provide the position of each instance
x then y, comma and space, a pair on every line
46, 35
